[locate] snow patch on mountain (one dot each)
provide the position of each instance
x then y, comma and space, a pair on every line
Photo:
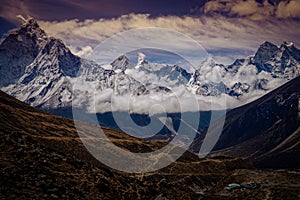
141, 60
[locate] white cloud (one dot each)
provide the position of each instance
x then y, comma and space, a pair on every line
236, 36
179, 101
83, 52
156, 38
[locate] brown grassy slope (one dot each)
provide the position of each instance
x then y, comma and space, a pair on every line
42, 157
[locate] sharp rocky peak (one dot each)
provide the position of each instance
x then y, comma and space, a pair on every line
122, 58
29, 44
265, 51
290, 47
268, 48
272, 58
121, 63
31, 24
56, 46
23, 43
29, 34
30, 29
68, 62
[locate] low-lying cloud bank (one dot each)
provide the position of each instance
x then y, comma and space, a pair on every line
180, 98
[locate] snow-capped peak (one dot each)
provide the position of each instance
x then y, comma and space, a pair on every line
66, 61
121, 63
23, 43
31, 27
288, 44
30, 21
141, 60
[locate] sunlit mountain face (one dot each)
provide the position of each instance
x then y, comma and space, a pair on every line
203, 91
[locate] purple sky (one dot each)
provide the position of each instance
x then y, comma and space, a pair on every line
60, 10
232, 29
66, 9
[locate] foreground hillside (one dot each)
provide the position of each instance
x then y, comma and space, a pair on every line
265, 131
42, 157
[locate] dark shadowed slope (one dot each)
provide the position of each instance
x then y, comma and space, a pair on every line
42, 157
265, 130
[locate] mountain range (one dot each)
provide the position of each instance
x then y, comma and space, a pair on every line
41, 71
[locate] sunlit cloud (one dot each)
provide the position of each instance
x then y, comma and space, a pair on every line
288, 9
83, 52
228, 29
253, 9
226, 38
